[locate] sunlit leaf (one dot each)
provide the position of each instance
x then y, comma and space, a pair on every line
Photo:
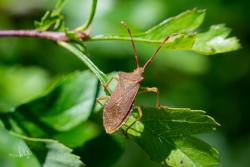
65, 106
165, 136
19, 83
215, 40
51, 152
210, 42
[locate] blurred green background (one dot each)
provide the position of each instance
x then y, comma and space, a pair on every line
217, 84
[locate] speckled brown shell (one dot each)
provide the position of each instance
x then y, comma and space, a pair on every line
120, 104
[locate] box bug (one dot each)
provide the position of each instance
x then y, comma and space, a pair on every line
120, 104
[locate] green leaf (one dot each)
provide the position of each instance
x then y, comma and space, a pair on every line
108, 149
17, 84
83, 133
64, 107
48, 21
215, 40
100, 75
211, 42
52, 19
59, 6
165, 136
51, 152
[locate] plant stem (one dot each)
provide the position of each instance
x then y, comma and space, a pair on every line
100, 75
54, 36
90, 18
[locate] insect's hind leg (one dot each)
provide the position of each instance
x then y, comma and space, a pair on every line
140, 116
153, 89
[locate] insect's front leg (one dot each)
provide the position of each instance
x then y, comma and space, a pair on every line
153, 89
107, 84
102, 98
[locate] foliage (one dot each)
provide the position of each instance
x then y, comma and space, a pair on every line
165, 134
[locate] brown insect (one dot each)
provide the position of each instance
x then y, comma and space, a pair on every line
120, 104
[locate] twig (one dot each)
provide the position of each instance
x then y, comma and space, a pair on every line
90, 18
51, 35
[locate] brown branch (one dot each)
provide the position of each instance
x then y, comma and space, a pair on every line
51, 35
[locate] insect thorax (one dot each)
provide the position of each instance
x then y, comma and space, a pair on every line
136, 75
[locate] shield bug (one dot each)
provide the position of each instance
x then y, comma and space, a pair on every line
120, 104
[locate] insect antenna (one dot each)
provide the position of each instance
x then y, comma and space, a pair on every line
133, 44
151, 58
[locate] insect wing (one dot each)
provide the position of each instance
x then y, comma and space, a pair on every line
120, 105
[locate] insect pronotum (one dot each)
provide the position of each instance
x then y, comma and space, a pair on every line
120, 104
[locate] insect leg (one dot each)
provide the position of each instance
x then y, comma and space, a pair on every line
101, 98
140, 115
107, 84
153, 89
